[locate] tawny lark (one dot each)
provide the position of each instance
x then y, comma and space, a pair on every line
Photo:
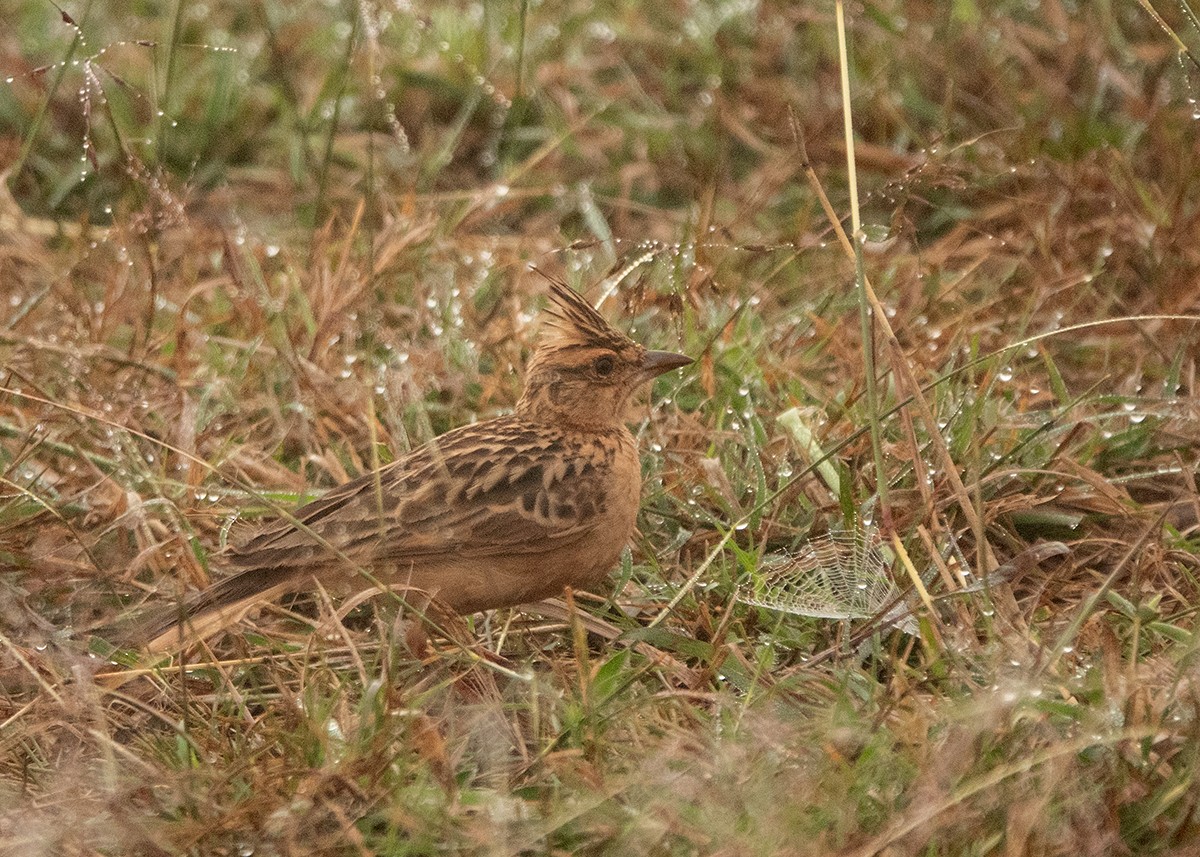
499, 513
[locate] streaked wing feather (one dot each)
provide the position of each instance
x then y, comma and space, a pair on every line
490, 489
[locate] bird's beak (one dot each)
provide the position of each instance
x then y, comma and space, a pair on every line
656, 363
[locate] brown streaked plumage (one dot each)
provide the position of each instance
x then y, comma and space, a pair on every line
494, 514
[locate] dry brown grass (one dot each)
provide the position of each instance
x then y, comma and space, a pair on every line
266, 302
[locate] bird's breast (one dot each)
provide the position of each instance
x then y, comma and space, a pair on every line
612, 495
591, 488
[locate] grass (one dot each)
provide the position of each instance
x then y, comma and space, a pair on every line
250, 251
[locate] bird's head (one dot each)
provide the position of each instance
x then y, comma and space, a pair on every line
585, 371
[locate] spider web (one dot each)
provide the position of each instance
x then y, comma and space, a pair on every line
840, 575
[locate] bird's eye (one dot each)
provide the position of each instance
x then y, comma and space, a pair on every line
604, 366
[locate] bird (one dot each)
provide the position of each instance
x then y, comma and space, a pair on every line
498, 513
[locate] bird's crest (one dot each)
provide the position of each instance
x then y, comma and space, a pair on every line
571, 321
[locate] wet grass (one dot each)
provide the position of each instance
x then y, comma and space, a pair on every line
248, 252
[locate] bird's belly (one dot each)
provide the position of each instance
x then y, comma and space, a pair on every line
489, 583
485, 583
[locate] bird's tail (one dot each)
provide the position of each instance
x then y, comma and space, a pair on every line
210, 611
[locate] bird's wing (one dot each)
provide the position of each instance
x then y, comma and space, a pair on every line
494, 488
